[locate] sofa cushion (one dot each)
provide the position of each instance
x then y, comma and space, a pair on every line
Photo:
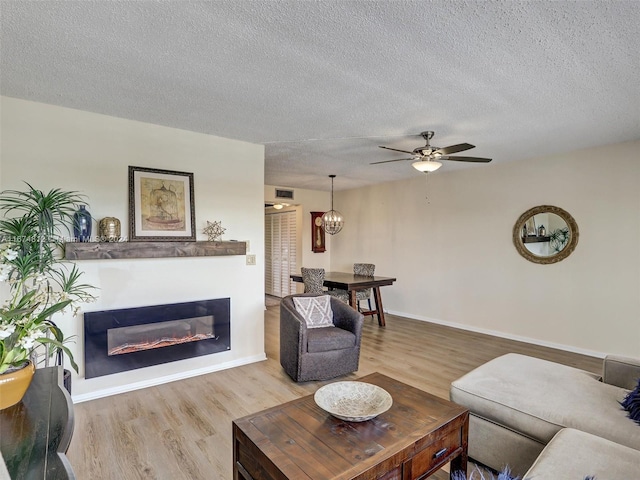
537, 398
316, 311
328, 339
575, 454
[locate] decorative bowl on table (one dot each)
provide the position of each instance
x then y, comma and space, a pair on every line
353, 401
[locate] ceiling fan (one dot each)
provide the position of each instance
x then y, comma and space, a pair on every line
426, 157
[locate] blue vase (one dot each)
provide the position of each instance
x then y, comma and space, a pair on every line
82, 224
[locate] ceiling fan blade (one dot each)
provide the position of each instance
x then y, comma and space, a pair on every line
396, 150
461, 147
465, 159
396, 160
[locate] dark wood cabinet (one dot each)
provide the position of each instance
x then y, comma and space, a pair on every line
36, 432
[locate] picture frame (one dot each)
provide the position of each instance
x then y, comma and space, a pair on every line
161, 205
531, 227
317, 233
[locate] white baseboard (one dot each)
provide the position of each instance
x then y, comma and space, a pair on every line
130, 387
518, 338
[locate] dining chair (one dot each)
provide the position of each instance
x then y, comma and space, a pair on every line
367, 270
340, 294
313, 279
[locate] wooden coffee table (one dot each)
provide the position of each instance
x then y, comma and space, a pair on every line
298, 440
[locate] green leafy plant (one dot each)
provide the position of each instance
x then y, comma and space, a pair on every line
558, 239
41, 283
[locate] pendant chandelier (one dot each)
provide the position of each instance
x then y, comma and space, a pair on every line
332, 221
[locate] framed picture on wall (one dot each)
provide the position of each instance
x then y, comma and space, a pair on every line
317, 232
161, 205
530, 225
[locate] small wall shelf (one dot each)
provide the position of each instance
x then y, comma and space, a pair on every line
124, 250
535, 239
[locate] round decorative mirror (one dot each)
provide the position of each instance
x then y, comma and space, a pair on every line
545, 234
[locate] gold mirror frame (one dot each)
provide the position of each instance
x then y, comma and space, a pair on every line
566, 251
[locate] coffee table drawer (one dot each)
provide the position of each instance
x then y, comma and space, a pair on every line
436, 454
395, 474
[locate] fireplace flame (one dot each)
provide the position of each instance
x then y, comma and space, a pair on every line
159, 343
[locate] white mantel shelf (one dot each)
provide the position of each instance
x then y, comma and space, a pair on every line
126, 250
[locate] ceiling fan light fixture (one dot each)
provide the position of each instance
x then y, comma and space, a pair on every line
428, 155
278, 206
426, 166
332, 221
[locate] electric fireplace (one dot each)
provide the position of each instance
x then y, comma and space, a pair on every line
130, 338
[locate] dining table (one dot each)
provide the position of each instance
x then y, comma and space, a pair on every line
351, 283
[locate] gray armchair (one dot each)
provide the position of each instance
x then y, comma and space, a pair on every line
319, 353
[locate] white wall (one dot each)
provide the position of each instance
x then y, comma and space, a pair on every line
304, 202
455, 262
51, 147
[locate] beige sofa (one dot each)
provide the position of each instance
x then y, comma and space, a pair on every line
520, 404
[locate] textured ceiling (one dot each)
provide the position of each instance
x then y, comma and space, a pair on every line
516, 79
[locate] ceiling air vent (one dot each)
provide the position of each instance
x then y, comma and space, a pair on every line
286, 194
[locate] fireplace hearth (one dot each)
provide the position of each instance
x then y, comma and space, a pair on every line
130, 338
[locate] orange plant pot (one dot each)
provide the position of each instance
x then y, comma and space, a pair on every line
14, 385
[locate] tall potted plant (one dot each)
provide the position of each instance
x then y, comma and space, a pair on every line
41, 283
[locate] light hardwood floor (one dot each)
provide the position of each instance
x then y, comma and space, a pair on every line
182, 430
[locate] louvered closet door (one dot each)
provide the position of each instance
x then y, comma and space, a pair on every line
268, 257
280, 248
288, 240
